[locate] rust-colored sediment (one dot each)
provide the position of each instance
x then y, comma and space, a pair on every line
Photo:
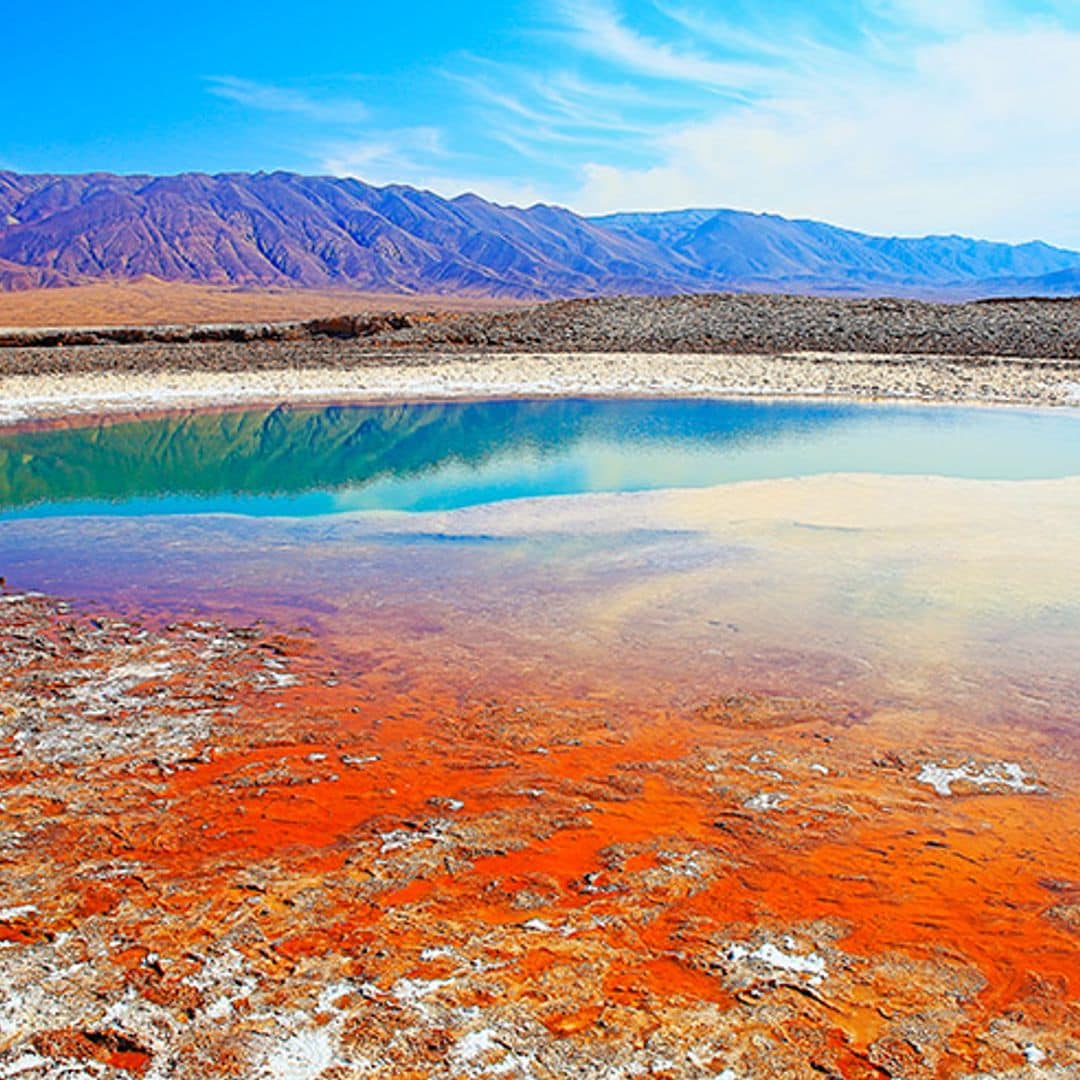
218, 859
149, 302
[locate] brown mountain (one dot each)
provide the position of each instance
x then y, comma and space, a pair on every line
316, 232
285, 230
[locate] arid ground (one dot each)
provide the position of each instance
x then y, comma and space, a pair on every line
148, 302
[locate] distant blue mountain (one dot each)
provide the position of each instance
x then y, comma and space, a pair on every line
1061, 283
253, 230
767, 251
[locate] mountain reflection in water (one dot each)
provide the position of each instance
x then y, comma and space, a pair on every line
303, 461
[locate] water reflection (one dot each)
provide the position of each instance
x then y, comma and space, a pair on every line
305, 461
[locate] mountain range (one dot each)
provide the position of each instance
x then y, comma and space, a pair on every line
257, 230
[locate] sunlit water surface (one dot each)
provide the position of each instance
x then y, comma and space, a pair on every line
956, 601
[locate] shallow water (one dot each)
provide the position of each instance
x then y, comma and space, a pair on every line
245, 514
307, 461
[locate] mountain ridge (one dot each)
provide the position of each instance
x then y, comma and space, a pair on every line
282, 229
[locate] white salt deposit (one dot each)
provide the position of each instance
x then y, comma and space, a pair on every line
996, 775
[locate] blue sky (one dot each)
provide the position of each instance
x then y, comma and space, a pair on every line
893, 116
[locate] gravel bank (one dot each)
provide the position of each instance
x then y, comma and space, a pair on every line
445, 376
1019, 352
766, 324
733, 324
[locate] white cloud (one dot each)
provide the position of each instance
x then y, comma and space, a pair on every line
982, 136
912, 116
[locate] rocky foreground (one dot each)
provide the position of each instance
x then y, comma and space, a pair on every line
215, 864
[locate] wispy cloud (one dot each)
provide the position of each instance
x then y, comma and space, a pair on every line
419, 156
895, 116
594, 27
326, 109
389, 153
538, 116
344, 137
919, 117
940, 16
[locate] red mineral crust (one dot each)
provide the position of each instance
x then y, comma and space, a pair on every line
221, 856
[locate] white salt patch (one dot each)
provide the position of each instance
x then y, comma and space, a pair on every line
472, 1048
303, 1056
765, 801
1034, 1055
119, 681
275, 680
400, 839
12, 1007
436, 952
998, 774
768, 954
348, 759
370, 991
413, 991
17, 912
25, 1065
220, 1009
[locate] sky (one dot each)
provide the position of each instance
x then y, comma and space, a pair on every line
899, 117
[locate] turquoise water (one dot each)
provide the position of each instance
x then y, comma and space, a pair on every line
312, 461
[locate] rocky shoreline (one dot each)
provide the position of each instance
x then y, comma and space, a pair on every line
328, 374
1010, 352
